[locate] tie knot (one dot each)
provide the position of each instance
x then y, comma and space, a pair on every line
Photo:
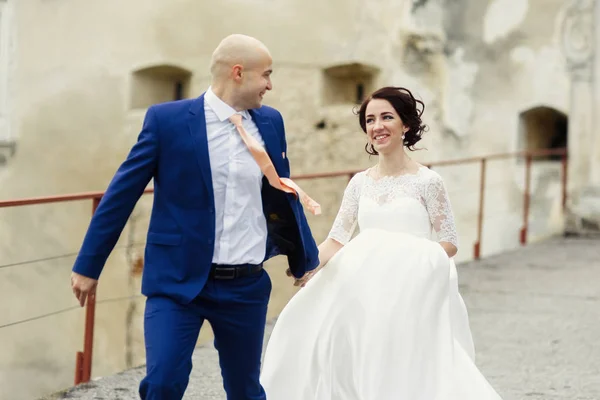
236, 119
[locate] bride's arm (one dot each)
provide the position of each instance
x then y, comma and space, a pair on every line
441, 216
327, 250
342, 230
344, 224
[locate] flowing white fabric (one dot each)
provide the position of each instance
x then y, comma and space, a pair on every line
384, 319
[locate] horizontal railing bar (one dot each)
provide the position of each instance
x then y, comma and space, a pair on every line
96, 195
58, 257
64, 310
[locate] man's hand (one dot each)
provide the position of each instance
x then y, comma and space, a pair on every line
304, 280
82, 287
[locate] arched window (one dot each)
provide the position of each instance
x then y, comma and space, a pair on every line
543, 128
159, 84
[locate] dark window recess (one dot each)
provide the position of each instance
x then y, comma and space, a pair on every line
360, 93
178, 91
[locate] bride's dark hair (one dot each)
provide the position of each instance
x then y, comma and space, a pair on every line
408, 108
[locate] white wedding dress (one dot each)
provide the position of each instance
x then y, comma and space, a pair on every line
383, 319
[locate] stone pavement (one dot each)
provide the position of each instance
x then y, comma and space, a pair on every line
535, 320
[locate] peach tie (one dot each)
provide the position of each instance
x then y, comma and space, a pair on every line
266, 165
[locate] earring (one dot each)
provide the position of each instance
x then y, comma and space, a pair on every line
403, 136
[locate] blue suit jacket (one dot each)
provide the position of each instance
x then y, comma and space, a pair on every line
172, 148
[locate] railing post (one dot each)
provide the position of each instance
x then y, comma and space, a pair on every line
477, 247
78, 367
526, 199
564, 181
83, 369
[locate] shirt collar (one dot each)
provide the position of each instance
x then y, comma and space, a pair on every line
222, 109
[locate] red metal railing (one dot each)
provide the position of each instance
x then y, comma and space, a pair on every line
83, 368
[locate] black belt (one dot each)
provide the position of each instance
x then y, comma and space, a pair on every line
218, 271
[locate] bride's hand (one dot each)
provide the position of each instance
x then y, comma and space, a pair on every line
449, 248
304, 280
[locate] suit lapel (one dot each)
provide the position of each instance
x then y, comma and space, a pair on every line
270, 137
197, 127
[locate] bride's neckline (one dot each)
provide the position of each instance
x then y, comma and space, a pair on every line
420, 168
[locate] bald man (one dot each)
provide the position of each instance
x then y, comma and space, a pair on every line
214, 222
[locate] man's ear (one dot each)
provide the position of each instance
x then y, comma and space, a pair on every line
238, 72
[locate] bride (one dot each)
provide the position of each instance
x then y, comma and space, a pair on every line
382, 317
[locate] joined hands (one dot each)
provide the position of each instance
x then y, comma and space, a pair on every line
304, 279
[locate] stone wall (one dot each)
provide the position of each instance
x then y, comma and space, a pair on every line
7, 69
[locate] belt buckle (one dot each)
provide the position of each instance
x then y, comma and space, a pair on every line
231, 275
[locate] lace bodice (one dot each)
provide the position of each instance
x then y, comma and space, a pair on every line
414, 203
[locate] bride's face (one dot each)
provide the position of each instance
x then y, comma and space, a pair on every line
384, 126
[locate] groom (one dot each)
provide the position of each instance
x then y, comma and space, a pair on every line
216, 218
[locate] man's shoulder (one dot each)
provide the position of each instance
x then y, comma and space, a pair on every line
173, 107
269, 112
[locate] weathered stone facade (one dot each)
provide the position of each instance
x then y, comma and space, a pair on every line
7, 69
581, 46
75, 79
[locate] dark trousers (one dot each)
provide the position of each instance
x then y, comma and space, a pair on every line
236, 310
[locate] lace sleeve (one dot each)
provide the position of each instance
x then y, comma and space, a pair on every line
438, 206
346, 219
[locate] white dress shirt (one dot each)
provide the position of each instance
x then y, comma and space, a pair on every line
241, 227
